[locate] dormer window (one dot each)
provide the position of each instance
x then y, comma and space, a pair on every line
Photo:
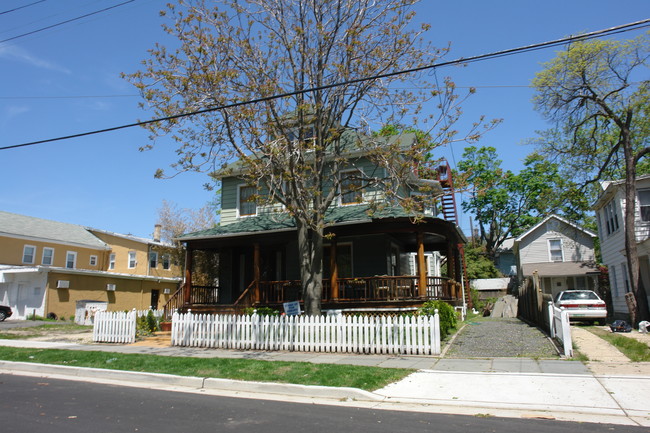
246, 205
611, 217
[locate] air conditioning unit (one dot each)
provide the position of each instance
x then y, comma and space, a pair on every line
166, 291
110, 287
63, 284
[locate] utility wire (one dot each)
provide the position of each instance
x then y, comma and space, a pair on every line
66, 21
21, 7
618, 29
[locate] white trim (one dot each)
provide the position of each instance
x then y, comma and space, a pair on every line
238, 212
22, 259
92, 261
74, 260
43, 256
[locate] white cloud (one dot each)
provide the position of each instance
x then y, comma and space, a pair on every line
15, 53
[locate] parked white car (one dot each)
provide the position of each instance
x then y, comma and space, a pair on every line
582, 305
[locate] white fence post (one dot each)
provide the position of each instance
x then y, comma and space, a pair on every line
560, 328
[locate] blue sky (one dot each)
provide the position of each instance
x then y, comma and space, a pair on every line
66, 80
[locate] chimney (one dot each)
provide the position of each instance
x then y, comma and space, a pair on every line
156, 232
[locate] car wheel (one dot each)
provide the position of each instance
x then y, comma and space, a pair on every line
3, 316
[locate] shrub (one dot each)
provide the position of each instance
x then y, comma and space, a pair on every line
262, 311
146, 325
446, 312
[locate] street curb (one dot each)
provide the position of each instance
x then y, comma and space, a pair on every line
314, 391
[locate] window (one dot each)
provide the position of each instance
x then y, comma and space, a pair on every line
351, 182
71, 260
93, 260
132, 261
48, 256
246, 205
611, 217
166, 261
644, 204
153, 259
555, 250
29, 252
111, 261
625, 277
612, 281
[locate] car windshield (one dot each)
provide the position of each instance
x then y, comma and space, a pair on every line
579, 296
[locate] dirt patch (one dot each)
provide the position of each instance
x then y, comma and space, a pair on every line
60, 333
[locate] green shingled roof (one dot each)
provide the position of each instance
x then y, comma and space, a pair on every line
282, 221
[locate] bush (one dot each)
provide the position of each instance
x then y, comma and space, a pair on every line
146, 325
447, 314
262, 311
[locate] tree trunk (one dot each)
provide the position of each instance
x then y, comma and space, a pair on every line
310, 248
641, 310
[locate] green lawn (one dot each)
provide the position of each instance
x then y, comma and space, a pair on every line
637, 351
366, 378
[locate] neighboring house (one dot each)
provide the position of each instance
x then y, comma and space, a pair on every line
560, 253
504, 258
49, 268
610, 208
490, 287
372, 258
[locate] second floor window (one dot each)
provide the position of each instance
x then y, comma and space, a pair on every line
644, 204
166, 262
246, 201
611, 217
351, 182
29, 252
93, 260
48, 256
555, 250
71, 260
132, 261
153, 260
111, 261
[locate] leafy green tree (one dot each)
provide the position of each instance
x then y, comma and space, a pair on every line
326, 58
598, 95
479, 264
505, 204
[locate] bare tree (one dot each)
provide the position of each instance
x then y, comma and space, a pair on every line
331, 61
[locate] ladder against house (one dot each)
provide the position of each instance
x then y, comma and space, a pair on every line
450, 213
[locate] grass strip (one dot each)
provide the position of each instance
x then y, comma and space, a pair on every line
303, 373
637, 351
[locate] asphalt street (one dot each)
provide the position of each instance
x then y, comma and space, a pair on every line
45, 405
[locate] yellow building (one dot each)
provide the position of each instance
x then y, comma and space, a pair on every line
49, 268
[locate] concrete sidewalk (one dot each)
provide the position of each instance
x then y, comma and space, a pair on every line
511, 387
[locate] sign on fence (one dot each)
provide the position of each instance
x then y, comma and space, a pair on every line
292, 308
345, 334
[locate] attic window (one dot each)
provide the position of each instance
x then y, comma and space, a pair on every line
555, 250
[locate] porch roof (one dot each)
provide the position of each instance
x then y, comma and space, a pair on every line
279, 222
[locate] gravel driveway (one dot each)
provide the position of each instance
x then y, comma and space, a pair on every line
501, 338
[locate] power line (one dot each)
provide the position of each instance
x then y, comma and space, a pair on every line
21, 7
613, 30
66, 21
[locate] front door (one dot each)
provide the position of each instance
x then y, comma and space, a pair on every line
155, 295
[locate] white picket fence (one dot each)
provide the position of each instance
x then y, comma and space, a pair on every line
117, 326
344, 334
561, 328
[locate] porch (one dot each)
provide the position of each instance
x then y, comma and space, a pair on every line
369, 263
379, 292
